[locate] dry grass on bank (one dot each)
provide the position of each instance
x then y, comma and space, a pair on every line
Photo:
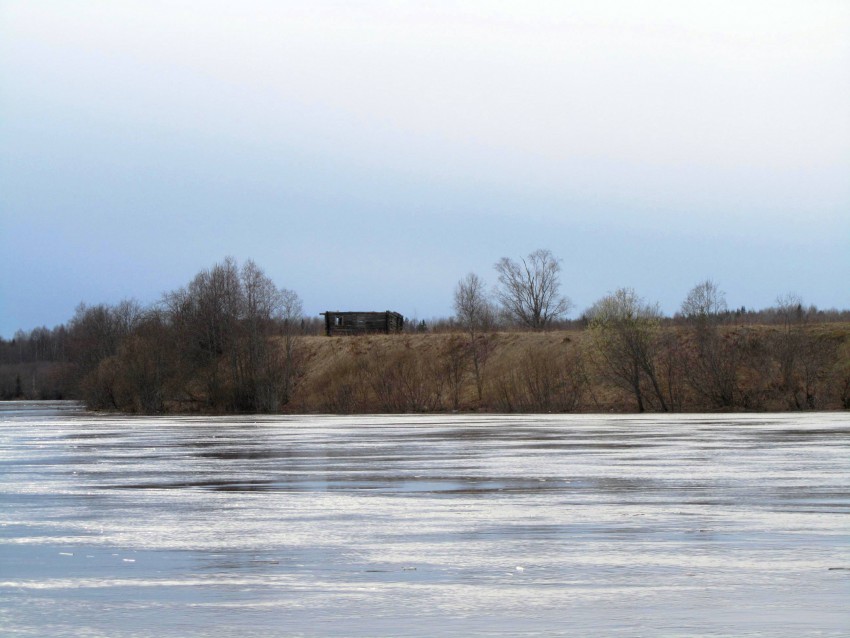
557, 371
541, 372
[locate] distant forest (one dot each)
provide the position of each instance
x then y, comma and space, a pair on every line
233, 341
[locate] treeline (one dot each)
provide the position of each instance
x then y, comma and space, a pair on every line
742, 316
224, 343
232, 341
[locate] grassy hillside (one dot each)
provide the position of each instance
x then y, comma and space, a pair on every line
563, 371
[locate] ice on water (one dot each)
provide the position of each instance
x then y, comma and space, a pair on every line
685, 525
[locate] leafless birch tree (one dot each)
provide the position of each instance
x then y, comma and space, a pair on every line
474, 312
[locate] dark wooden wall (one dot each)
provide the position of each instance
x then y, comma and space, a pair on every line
351, 323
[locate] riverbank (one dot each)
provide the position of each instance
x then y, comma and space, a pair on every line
731, 368
757, 368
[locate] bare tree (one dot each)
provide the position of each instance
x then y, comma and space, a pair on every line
705, 303
226, 320
841, 374
289, 314
475, 313
789, 308
625, 332
266, 369
146, 363
711, 368
472, 305
207, 314
804, 357
97, 331
529, 289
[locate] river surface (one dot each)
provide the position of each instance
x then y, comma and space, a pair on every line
451, 525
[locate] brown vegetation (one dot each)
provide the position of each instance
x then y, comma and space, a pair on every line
727, 368
760, 368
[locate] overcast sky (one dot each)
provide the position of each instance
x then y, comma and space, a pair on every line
369, 154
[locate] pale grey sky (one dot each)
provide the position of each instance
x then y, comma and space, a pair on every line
370, 154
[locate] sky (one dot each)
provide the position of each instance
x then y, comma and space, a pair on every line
369, 154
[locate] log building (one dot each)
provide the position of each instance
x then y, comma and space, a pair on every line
357, 323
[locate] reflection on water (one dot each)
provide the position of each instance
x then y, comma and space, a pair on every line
687, 525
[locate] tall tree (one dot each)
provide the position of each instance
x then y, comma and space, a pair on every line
269, 312
711, 367
803, 357
625, 332
474, 312
228, 320
205, 315
146, 363
529, 290
473, 309
705, 303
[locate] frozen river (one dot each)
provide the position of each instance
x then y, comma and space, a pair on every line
450, 525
